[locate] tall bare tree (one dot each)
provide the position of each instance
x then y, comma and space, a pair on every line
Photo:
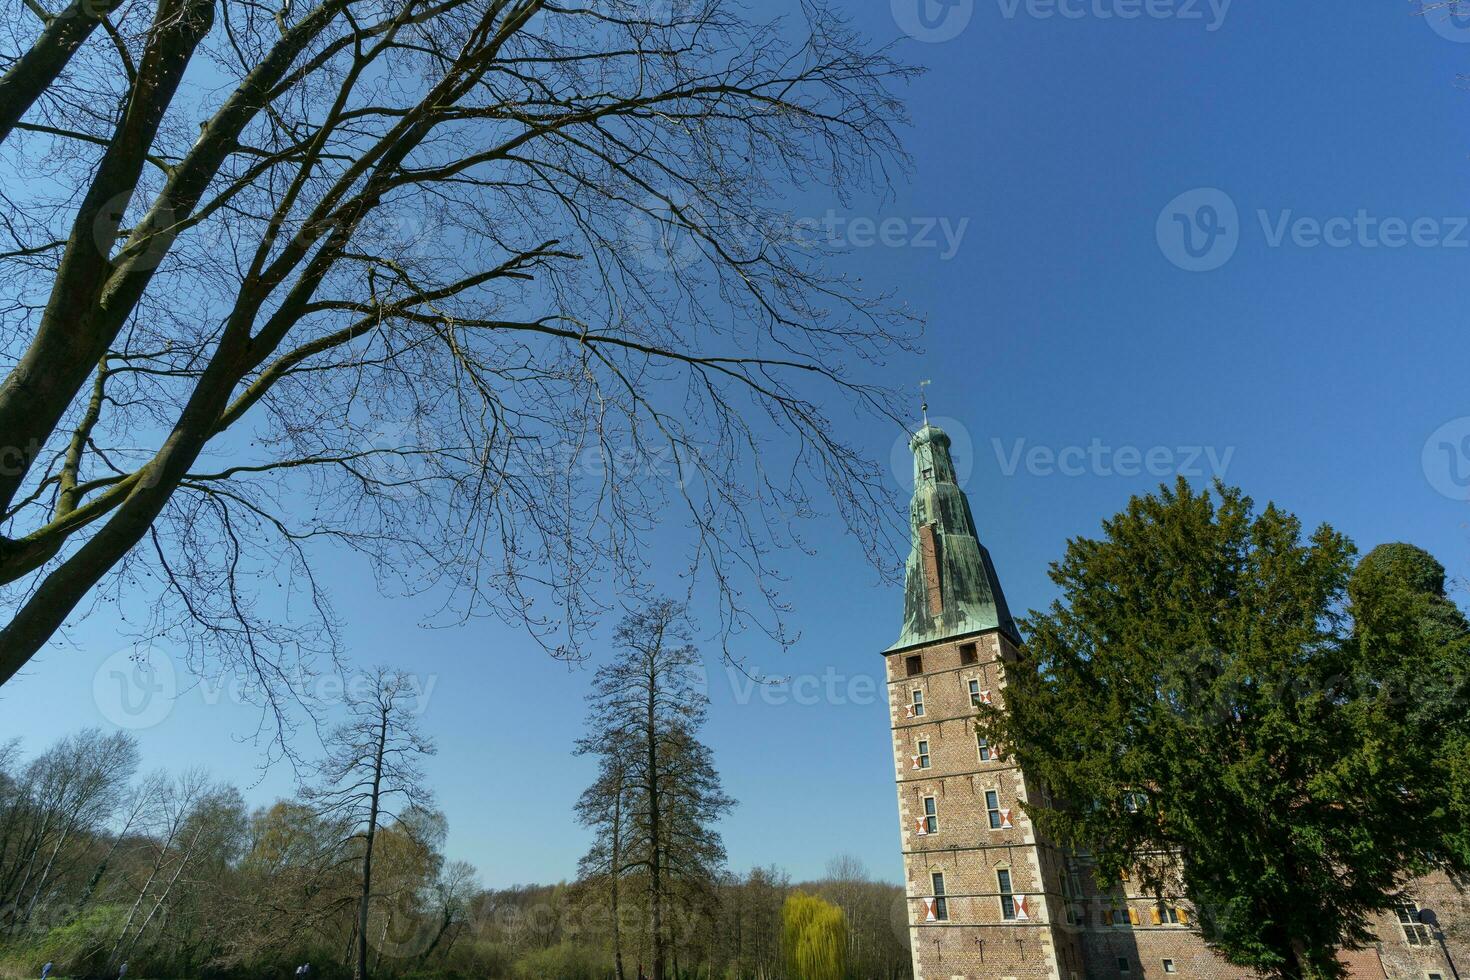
371, 777
647, 707
477, 288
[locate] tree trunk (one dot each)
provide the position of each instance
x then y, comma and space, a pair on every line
655, 867
360, 970
617, 873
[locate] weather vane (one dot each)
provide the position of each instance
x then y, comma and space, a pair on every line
924, 399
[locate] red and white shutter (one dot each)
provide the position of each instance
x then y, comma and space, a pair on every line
929, 915
921, 827
1005, 820
985, 698
1023, 914
908, 711
916, 764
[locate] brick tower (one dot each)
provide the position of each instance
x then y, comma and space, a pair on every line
985, 897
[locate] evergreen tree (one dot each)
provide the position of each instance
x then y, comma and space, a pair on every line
1216, 697
658, 794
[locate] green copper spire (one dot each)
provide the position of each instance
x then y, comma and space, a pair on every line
950, 587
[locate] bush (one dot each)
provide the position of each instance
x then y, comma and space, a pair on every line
563, 961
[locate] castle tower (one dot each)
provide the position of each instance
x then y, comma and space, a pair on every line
986, 899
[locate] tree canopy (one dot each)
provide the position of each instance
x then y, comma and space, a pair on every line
481, 289
1219, 696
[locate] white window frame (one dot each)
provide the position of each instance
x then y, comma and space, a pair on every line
1005, 886
930, 807
1169, 966
993, 818
1415, 931
974, 692
917, 700
982, 746
921, 749
941, 898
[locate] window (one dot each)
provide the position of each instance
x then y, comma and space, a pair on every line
918, 703
1120, 917
931, 815
1435, 976
1169, 967
1123, 965
1170, 915
1416, 933
941, 904
985, 754
974, 694
914, 665
992, 807
923, 753
1134, 801
1007, 898
968, 654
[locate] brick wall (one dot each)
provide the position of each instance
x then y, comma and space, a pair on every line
1069, 932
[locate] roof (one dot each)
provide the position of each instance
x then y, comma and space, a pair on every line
950, 585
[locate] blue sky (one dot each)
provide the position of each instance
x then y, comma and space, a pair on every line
1073, 358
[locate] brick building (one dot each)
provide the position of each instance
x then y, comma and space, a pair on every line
988, 899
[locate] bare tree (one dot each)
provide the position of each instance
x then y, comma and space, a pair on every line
603, 807
371, 777
481, 289
64, 796
647, 707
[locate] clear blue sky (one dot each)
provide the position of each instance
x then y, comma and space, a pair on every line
1062, 324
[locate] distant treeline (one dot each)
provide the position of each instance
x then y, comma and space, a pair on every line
177, 877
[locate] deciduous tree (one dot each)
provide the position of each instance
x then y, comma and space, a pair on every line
478, 288
372, 777
658, 788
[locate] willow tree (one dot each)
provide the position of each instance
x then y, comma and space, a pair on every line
813, 938
478, 288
